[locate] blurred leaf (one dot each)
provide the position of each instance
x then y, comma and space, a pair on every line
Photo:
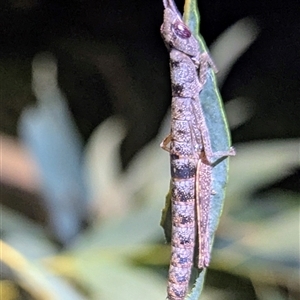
231, 45
259, 234
116, 191
269, 293
104, 168
35, 279
262, 247
116, 242
24, 235
136, 228
9, 290
142, 187
50, 134
107, 276
264, 162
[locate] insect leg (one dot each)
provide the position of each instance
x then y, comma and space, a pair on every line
203, 196
203, 138
205, 61
165, 144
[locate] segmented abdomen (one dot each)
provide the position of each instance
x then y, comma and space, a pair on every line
184, 146
183, 172
183, 233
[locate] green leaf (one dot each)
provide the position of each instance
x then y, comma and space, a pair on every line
213, 109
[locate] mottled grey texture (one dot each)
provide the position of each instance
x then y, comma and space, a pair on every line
190, 151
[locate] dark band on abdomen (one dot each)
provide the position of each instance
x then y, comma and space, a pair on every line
183, 168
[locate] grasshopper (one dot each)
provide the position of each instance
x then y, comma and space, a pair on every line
191, 154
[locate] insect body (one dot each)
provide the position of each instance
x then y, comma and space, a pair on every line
190, 153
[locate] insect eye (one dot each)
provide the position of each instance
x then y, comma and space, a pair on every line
181, 30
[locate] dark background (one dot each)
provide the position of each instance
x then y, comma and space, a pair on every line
77, 31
